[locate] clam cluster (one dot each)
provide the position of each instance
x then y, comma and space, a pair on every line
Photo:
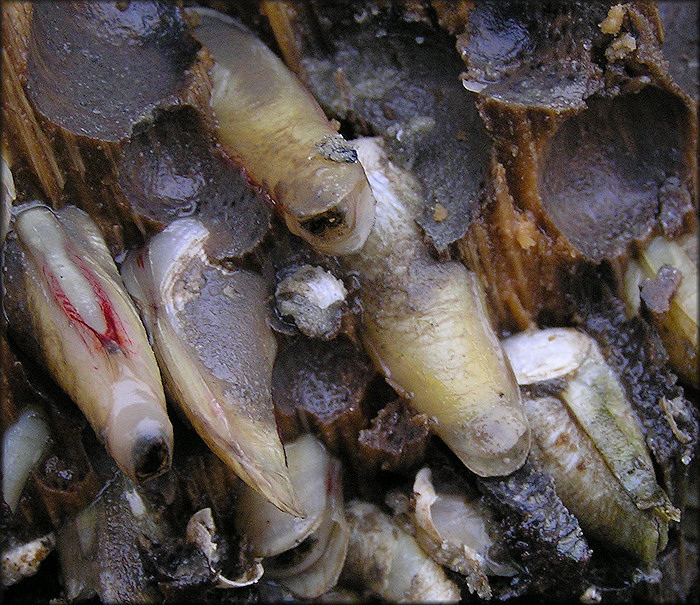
331, 301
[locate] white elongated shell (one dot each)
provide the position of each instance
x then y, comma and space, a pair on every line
425, 325
24, 443
587, 487
272, 531
321, 567
589, 440
91, 337
269, 121
317, 479
595, 397
455, 532
215, 349
7, 195
389, 561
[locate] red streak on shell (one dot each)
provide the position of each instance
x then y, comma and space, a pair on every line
114, 338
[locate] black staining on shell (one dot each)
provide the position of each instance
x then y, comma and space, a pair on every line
150, 454
323, 223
